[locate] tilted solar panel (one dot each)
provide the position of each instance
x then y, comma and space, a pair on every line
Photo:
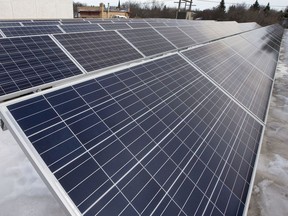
157, 24
155, 139
32, 61
96, 50
262, 60
241, 79
176, 36
139, 25
41, 23
81, 28
30, 30
9, 24
67, 22
114, 26
148, 41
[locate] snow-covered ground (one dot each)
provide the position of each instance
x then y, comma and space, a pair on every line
270, 191
22, 192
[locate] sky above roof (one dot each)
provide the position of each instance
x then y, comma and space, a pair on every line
199, 4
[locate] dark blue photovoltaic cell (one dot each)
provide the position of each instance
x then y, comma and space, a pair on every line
155, 139
32, 61
96, 50
30, 30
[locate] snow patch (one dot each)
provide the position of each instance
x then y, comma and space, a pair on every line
22, 191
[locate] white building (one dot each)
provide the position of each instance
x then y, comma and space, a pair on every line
36, 9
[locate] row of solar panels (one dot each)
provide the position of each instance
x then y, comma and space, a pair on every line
175, 135
28, 62
165, 22
230, 27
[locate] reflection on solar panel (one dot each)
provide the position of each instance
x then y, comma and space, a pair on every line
95, 50
100, 21
30, 30
81, 28
200, 35
9, 24
176, 36
262, 60
156, 139
139, 25
114, 26
148, 41
245, 82
32, 61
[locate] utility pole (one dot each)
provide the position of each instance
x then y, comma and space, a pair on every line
190, 2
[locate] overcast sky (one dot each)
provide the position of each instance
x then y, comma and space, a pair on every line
200, 4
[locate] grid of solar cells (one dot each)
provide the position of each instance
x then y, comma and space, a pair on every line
41, 23
32, 61
176, 36
196, 35
156, 139
30, 30
262, 40
139, 25
96, 50
9, 24
260, 59
148, 41
81, 28
114, 26
243, 81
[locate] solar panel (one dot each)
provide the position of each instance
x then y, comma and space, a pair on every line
40, 23
32, 61
139, 25
157, 24
200, 34
114, 26
148, 41
68, 22
81, 28
30, 30
245, 82
100, 21
96, 50
176, 36
9, 24
155, 139
260, 59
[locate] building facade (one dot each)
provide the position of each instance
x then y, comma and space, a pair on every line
102, 12
36, 9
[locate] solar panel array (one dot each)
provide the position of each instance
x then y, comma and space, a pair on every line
221, 29
32, 61
81, 28
148, 41
174, 135
30, 30
96, 50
